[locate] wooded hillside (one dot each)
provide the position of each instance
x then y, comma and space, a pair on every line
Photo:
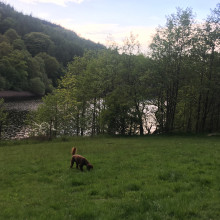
33, 52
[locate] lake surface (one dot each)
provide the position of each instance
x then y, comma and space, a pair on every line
17, 114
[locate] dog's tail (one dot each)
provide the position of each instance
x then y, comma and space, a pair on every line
73, 151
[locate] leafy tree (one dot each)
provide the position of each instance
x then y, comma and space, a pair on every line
14, 69
52, 67
2, 82
5, 49
77, 73
208, 103
58, 112
6, 24
37, 42
12, 35
18, 44
3, 38
46, 117
170, 45
37, 86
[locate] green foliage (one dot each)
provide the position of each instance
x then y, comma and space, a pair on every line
37, 86
12, 35
18, 44
110, 90
170, 45
7, 23
37, 42
113, 88
102, 92
6, 49
133, 178
32, 36
52, 67
14, 70
186, 73
2, 83
3, 39
46, 117
57, 114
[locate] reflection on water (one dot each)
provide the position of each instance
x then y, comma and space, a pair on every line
19, 109
17, 115
25, 105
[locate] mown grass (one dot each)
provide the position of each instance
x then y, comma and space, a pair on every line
133, 178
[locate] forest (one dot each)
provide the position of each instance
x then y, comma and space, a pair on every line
117, 90
34, 52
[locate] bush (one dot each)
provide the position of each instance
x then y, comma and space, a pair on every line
37, 86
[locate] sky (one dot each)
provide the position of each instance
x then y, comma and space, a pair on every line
104, 20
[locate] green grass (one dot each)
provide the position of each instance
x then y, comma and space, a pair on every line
133, 178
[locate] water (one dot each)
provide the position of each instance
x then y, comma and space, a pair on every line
17, 114
19, 109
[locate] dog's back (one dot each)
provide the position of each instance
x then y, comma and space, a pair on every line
80, 160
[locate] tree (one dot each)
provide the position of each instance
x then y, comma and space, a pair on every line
18, 44
37, 86
36, 69
52, 67
5, 49
6, 24
3, 38
200, 111
211, 39
80, 89
37, 42
12, 35
46, 117
57, 114
14, 70
170, 45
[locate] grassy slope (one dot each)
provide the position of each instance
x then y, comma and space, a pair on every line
133, 178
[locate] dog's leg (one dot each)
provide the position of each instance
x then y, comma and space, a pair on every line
81, 167
72, 162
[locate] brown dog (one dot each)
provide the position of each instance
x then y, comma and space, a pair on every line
80, 161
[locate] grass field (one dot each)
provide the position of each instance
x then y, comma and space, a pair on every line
159, 177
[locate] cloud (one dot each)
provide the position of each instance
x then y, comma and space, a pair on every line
43, 15
101, 33
57, 2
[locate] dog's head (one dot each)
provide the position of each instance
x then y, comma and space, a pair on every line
89, 166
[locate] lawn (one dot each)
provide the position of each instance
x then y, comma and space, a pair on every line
155, 177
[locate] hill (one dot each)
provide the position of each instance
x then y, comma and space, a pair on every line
34, 52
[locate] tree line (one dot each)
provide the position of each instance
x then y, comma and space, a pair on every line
111, 91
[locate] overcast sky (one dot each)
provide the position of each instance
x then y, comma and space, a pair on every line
99, 20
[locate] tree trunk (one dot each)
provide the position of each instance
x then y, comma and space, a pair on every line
94, 118
77, 124
198, 113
